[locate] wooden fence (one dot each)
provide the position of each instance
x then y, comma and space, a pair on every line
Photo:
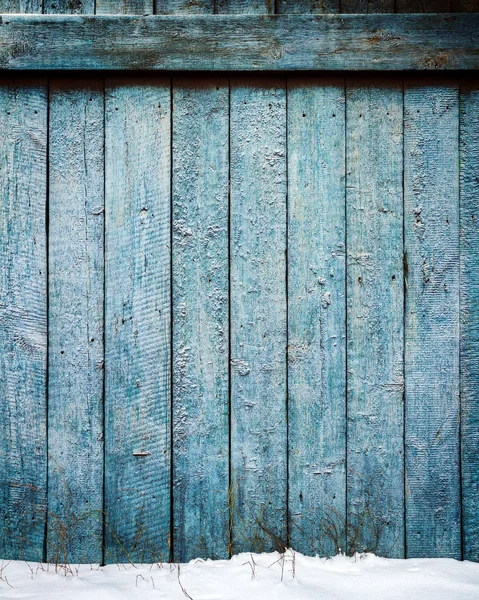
238, 311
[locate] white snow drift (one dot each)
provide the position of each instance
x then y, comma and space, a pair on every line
249, 577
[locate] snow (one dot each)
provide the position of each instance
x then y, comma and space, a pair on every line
249, 577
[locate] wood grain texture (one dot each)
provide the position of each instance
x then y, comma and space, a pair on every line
241, 42
200, 318
258, 313
299, 7
23, 318
469, 324
316, 314
21, 6
431, 179
423, 6
75, 316
124, 7
184, 7
137, 320
375, 331
367, 6
69, 7
245, 7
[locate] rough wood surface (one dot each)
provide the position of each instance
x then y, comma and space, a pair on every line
433, 521
75, 316
23, 318
124, 7
68, 7
423, 6
258, 313
234, 6
200, 318
241, 42
21, 6
307, 6
243, 7
375, 330
367, 6
137, 320
316, 314
469, 299
184, 7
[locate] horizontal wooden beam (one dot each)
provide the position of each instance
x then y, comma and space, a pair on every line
379, 42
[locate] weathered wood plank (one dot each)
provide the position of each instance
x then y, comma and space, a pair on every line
124, 7
245, 7
69, 7
433, 502
241, 42
258, 313
23, 318
75, 317
375, 331
469, 300
302, 7
184, 7
137, 321
21, 6
316, 315
423, 6
367, 6
200, 318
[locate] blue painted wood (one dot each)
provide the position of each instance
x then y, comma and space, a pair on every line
68, 7
75, 316
184, 7
245, 7
21, 6
469, 324
258, 313
316, 314
23, 318
200, 318
137, 320
433, 521
375, 333
241, 42
124, 7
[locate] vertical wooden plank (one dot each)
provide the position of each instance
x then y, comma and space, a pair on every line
23, 318
431, 178
423, 6
75, 356
200, 318
316, 315
250, 7
469, 299
375, 316
124, 7
69, 7
258, 313
21, 6
367, 6
307, 6
184, 7
137, 321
